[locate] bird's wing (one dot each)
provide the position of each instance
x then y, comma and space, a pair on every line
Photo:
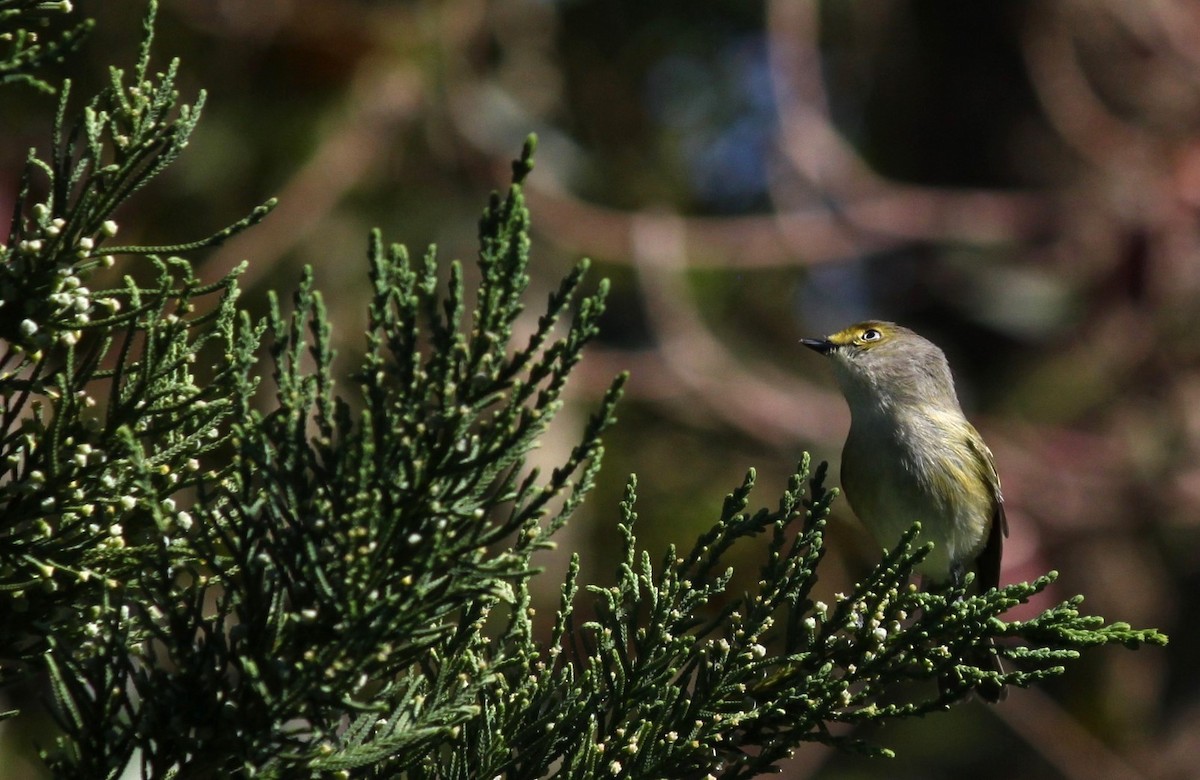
988, 562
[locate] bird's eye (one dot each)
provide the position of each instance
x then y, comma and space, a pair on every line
871, 334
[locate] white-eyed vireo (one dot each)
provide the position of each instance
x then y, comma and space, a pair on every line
912, 456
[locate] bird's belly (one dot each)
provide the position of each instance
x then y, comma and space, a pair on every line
888, 508
889, 490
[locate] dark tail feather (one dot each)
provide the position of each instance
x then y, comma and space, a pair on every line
990, 691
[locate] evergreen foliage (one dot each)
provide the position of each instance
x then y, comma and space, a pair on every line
339, 585
22, 23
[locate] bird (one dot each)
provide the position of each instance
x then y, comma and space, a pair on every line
912, 456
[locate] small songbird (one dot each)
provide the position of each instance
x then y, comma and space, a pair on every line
912, 456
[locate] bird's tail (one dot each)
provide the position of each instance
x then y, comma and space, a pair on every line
990, 690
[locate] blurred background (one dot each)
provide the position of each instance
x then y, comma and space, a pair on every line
1018, 181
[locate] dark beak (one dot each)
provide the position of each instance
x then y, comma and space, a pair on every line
824, 346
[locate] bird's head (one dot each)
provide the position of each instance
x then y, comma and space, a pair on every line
883, 363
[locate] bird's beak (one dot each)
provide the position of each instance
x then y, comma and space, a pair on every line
824, 346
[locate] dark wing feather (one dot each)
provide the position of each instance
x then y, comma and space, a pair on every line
988, 562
